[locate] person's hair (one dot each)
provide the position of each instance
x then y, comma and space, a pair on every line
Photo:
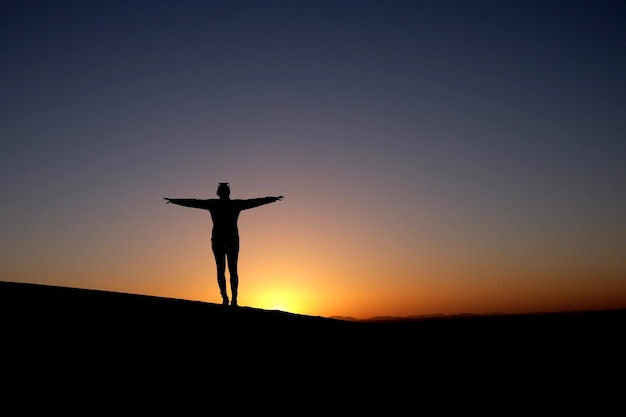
223, 189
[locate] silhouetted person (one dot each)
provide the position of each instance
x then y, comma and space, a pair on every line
225, 235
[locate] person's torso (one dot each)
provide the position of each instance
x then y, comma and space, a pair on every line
225, 214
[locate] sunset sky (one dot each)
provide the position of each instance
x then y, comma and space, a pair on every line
434, 156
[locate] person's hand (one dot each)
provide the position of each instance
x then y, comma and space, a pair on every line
280, 197
168, 200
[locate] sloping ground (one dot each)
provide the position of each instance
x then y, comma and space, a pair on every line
86, 309
112, 344
100, 321
71, 315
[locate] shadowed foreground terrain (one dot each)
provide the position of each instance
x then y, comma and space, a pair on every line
75, 338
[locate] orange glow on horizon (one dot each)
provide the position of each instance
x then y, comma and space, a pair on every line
330, 266
276, 299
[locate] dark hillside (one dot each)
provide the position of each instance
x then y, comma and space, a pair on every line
75, 339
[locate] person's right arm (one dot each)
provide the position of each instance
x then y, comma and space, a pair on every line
190, 202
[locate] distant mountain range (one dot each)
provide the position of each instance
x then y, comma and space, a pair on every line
413, 317
451, 316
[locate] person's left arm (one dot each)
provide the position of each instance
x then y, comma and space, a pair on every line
256, 202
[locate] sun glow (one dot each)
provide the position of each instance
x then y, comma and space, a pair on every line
279, 299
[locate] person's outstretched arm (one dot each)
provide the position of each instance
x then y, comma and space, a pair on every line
190, 202
256, 202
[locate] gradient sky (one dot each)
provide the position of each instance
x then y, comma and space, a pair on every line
435, 156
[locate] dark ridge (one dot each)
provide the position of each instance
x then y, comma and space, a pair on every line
87, 339
87, 310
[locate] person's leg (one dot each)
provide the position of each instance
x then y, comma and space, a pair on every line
220, 262
232, 254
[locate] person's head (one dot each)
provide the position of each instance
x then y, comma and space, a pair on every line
223, 190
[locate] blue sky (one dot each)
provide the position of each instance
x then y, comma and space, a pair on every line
436, 139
